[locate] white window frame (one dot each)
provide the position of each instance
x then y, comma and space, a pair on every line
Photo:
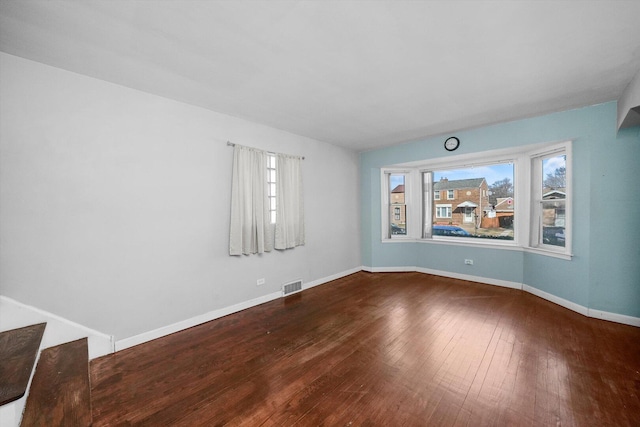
536, 242
447, 206
418, 197
412, 212
427, 205
451, 194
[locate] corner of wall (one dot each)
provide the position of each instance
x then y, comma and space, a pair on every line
629, 104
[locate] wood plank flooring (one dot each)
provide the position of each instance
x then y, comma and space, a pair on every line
384, 349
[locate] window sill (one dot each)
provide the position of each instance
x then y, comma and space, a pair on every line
484, 245
401, 240
547, 252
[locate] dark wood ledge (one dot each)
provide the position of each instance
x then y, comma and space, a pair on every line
60, 392
18, 352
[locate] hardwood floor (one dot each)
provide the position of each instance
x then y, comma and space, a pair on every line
385, 349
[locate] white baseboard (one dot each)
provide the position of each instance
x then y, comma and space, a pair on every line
614, 317
589, 312
468, 277
330, 278
471, 278
557, 300
59, 330
216, 314
193, 321
389, 269
101, 344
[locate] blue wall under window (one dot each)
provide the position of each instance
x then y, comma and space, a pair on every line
604, 273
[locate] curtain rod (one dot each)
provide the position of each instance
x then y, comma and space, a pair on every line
231, 144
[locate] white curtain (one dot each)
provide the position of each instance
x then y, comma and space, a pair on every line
289, 209
250, 230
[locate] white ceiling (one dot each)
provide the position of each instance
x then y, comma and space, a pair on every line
360, 74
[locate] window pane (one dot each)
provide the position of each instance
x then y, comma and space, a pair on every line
443, 211
398, 208
553, 222
480, 202
554, 171
553, 204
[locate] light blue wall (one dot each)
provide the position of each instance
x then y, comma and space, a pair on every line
615, 248
604, 273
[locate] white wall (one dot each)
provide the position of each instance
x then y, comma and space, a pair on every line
114, 203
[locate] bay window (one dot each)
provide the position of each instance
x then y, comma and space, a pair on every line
517, 198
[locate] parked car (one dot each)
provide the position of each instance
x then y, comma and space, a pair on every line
396, 229
449, 230
553, 236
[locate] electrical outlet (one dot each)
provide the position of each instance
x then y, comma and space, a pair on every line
468, 261
260, 282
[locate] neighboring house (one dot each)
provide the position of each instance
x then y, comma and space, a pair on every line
554, 208
398, 210
460, 202
500, 215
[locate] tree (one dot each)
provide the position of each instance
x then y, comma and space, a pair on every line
557, 179
500, 189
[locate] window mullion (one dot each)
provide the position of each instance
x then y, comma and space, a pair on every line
427, 203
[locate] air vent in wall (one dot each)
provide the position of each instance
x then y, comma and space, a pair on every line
292, 288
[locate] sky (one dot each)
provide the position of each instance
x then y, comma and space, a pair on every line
396, 180
492, 173
550, 165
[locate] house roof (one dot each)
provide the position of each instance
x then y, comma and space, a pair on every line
554, 194
504, 204
398, 189
457, 184
467, 204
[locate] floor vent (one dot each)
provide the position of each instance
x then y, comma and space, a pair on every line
292, 288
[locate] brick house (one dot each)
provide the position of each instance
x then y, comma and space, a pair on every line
398, 212
460, 202
554, 208
502, 214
